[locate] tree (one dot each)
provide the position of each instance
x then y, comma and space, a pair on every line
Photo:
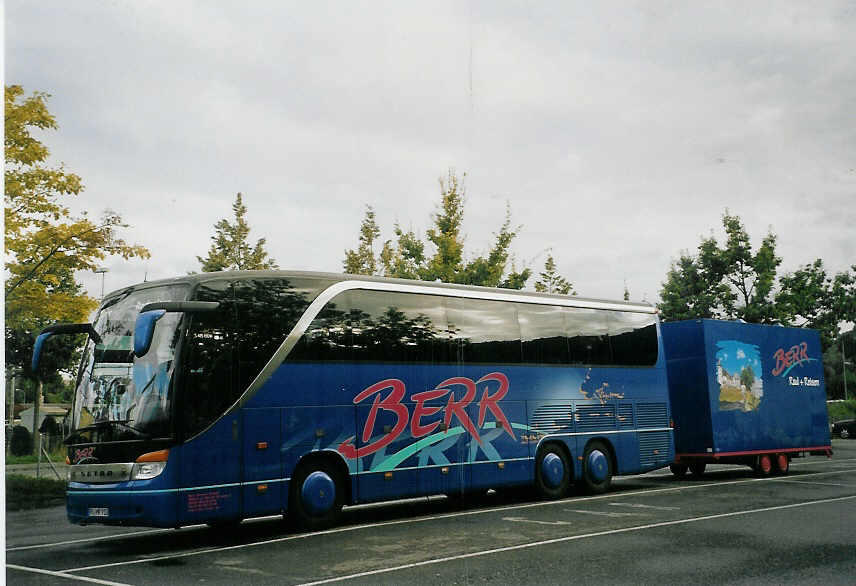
728, 282
442, 256
362, 261
550, 281
230, 250
45, 245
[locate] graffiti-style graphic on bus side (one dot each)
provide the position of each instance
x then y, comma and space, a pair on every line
786, 360
456, 409
796, 355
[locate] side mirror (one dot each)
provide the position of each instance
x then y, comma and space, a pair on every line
144, 327
60, 329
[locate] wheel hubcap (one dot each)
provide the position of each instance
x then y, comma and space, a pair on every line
318, 493
597, 466
552, 470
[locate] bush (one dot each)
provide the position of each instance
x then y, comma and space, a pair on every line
23, 492
22, 442
839, 410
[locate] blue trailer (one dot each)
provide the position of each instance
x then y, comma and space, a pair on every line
744, 394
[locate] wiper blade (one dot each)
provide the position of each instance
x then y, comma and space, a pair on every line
108, 424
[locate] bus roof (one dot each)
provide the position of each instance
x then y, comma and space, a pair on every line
488, 293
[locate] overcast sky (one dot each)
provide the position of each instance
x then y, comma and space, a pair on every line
617, 132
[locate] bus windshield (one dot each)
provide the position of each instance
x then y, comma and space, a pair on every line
118, 396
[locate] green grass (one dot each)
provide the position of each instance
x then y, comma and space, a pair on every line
57, 457
24, 492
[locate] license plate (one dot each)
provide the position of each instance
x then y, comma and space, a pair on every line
99, 512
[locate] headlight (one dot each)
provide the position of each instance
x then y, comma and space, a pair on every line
147, 470
149, 465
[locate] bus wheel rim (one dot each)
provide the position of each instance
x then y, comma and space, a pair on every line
782, 462
552, 470
597, 466
766, 465
318, 493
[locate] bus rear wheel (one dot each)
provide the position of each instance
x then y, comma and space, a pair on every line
552, 472
597, 468
316, 496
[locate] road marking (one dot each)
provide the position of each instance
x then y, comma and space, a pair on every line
566, 501
570, 538
640, 506
818, 483
64, 575
604, 513
88, 539
524, 520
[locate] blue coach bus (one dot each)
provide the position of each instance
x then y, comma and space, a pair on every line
217, 397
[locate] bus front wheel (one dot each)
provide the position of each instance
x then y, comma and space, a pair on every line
553, 472
316, 496
597, 468
679, 470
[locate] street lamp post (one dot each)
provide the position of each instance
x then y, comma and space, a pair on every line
102, 271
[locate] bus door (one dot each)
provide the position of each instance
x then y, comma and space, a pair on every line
262, 484
211, 457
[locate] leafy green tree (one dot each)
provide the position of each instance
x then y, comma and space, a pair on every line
728, 282
441, 257
550, 281
406, 258
45, 245
447, 262
230, 249
747, 377
362, 261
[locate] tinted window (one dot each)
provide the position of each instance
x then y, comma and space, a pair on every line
588, 336
543, 332
267, 310
484, 331
377, 326
633, 338
209, 367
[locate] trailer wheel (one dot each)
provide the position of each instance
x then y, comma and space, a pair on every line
316, 496
597, 468
679, 470
764, 465
782, 464
552, 472
697, 469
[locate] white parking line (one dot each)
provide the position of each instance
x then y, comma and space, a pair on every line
524, 520
818, 483
64, 575
87, 539
569, 538
641, 506
567, 501
605, 513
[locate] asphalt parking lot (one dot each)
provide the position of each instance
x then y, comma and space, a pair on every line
729, 527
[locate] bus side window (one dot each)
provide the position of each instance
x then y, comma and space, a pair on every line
267, 310
486, 332
543, 330
633, 338
588, 336
209, 372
